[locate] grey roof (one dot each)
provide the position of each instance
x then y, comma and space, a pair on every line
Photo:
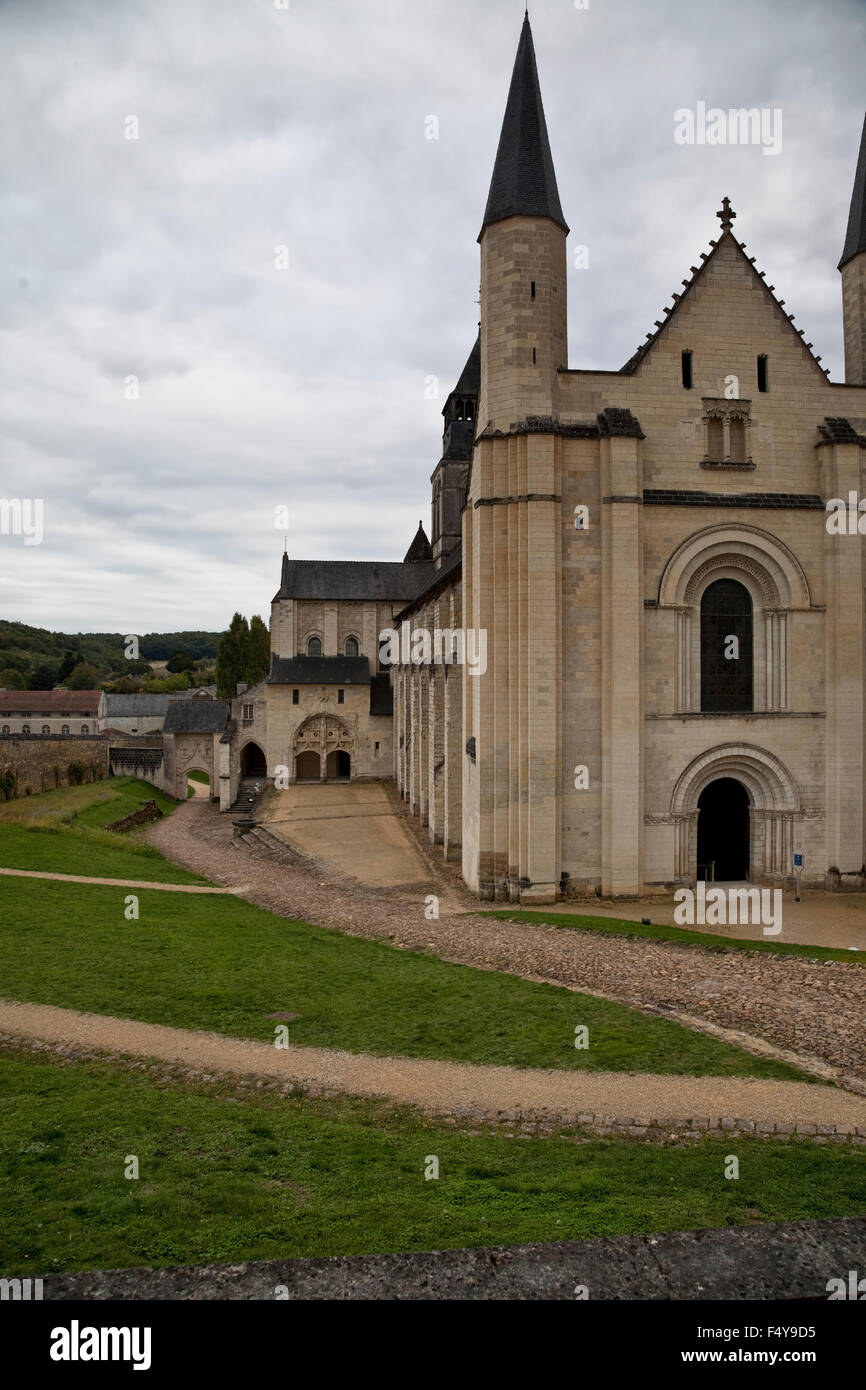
855, 238
319, 670
129, 706
419, 552
470, 378
524, 179
352, 579
196, 717
451, 567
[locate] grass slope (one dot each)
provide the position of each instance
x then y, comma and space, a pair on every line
222, 1181
221, 964
709, 941
62, 832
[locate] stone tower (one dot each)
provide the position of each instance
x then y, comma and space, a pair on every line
511, 537
853, 268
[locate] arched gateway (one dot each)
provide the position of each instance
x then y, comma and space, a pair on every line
322, 750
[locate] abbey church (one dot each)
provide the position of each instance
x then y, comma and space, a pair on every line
675, 633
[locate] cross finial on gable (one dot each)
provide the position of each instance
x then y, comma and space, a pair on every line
726, 214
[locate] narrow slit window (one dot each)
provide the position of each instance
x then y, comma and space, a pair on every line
763, 372
687, 370
533, 356
339, 697
533, 289
296, 697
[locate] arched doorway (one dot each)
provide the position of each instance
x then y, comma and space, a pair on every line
198, 783
253, 761
339, 766
723, 831
308, 767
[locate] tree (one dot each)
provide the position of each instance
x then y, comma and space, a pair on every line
67, 665
170, 686
259, 663
180, 661
44, 677
84, 677
232, 660
10, 679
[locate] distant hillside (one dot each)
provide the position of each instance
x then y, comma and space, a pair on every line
25, 648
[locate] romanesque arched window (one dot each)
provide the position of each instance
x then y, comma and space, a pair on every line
726, 647
84, 729
352, 647
314, 646
46, 729
65, 729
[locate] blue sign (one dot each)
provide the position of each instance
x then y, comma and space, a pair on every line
798, 861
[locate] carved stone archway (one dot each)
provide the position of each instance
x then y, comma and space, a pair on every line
774, 805
321, 735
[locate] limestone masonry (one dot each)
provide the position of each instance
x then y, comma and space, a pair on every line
675, 634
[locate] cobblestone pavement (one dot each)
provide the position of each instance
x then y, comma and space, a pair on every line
812, 1010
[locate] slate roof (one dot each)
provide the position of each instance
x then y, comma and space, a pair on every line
196, 717
470, 378
419, 552
855, 237
319, 670
450, 568
50, 701
524, 179
132, 706
352, 579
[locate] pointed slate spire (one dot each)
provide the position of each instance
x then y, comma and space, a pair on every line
524, 179
855, 239
419, 552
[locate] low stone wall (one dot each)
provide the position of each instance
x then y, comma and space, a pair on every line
148, 812
40, 762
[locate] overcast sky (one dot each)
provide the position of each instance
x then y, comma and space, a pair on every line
306, 127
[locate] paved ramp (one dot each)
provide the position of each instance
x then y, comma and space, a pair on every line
353, 828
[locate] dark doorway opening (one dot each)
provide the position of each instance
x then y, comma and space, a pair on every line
339, 766
723, 831
253, 762
308, 767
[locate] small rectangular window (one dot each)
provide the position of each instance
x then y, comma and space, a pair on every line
339, 697
296, 696
763, 372
533, 354
377, 747
687, 370
533, 289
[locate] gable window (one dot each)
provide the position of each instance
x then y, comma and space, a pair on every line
687, 370
352, 648
727, 424
247, 714
726, 648
314, 646
763, 372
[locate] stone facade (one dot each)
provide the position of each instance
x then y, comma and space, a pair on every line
606, 515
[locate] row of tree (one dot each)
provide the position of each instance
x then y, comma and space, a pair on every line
243, 654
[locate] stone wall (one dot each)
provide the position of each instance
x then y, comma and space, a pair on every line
39, 764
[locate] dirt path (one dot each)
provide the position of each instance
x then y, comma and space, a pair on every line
123, 882
461, 1088
815, 1011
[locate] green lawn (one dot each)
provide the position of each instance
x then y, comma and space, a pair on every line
709, 941
269, 1177
221, 964
63, 832
202, 777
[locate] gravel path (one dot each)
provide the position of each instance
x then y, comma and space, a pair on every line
812, 1010
461, 1088
120, 882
